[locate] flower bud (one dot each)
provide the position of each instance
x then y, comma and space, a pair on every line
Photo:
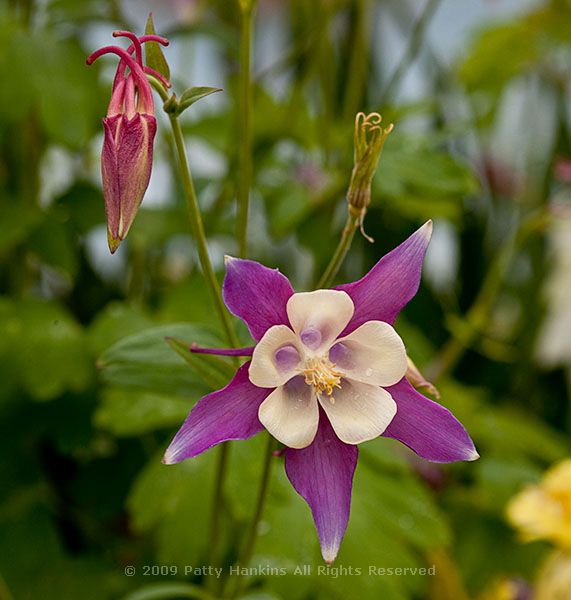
129, 127
369, 140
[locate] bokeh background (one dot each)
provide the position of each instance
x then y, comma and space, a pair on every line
90, 393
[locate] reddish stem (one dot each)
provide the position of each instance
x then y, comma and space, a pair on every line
247, 351
143, 87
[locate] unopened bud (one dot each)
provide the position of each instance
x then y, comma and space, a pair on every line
369, 140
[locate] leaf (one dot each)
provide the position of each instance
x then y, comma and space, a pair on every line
43, 348
193, 94
145, 360
154, 56
116, 321
168, 591
128, 412
17, 220
171, 501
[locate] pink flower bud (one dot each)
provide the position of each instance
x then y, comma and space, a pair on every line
130, 127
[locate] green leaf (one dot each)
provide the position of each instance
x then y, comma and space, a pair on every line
43, 348
17, 220
128, 412
145, 360
168, 591
154, 56
170, 501
193, 94
116, 321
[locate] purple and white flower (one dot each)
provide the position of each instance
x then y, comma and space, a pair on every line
327, 373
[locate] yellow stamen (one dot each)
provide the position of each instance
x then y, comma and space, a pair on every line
321, 374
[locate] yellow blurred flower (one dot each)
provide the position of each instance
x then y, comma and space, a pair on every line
506, 589
544, 511
554, 581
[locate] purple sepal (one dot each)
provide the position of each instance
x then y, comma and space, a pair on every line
256, 294
385, 290
428, 428
227, 414
322, 474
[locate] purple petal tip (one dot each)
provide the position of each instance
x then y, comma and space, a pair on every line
428, 227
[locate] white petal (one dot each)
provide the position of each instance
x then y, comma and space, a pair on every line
360, 412
319, 317
266, 369
291, 413
374, 353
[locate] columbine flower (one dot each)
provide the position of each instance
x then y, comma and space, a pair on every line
326, 374
130, 127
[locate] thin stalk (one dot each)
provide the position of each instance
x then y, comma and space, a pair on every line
5, 593
358, 62
245, 168
217, 508
251, 535
210, 276
198, 230
414, 44
479, 312
338, 257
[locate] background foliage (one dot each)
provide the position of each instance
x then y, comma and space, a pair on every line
90, 392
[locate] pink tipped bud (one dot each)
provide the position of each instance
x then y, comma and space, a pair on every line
130, 127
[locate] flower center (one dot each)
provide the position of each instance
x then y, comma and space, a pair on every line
321, 374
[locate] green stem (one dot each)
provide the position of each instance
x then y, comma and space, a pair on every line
217, 508
245, 123
479, 312
251, 535
340, 253
198, 230
358, 62
5, 593
415, 42
210, 276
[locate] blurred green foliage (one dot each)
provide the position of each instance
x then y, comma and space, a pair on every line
90, 389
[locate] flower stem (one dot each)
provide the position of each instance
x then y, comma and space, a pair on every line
217, 508
340, 253
247, 551
210, 276
245, 123
414, 45
359, 60
198, 230
479, 313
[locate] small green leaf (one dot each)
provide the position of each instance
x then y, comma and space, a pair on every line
193, 94
154, 56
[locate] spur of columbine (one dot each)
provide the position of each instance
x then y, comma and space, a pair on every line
327, 373
130, 127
